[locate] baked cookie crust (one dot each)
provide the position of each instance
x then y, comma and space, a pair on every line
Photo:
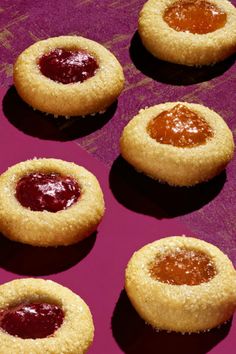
44, 228
186, 48
181, 308
76, 99
76, 332
178, 166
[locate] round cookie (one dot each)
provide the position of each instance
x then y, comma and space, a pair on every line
93, 95
177, 165
167, 43
181, 284
74, 335
41, 227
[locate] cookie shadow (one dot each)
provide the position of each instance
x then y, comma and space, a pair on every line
144, 195
134, 336
47, 127
173, 74
28, 260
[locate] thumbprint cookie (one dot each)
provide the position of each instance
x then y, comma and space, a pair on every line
40, 316
49, 202
181, 284
68, 76
178, 142
189, 32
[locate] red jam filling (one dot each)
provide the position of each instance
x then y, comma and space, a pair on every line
184, 266
195, 16
180, 127
51, 192
68, 66
37, 320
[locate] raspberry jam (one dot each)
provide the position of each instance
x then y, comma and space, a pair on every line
180, 127
67, 66
184, 266
195, 16
51, 192
37, 320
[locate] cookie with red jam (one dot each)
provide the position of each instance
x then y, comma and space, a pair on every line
188, 32
40, 316
181, 284
49, 202
68, 76
178, 142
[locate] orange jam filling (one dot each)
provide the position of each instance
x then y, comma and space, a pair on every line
184, 266
180, 127
195, 16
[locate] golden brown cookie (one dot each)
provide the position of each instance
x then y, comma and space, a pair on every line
49, 202
178, 142
92, 89
59, 311
181, 284
189, 32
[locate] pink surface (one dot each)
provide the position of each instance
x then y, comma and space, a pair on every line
95, 268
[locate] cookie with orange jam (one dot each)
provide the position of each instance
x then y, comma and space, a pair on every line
181, 284
40, 316
49, 202
68, 76
189, 32
178, 142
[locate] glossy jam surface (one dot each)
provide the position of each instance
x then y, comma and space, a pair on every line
67, 66
180, 127
184, 266
37, 320
51, 192
195, 16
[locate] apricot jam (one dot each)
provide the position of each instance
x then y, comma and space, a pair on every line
189, 267
51, 192
195, 16
37, 320
68, 66
180, 127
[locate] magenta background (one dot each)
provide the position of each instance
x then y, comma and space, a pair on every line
138, 210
